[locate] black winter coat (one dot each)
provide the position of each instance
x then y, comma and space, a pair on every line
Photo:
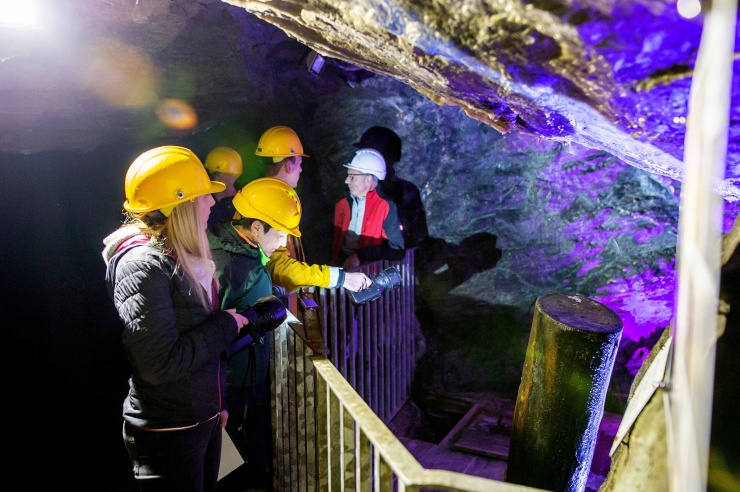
175, 346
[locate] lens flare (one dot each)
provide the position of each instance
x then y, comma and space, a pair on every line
177, 114
120, 74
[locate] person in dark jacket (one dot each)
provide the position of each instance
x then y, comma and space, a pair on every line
161, 278
366, 225
270, 211
224, 164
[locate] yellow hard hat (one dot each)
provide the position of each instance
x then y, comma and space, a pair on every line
164, 177
273, 201
279, 141
224, 160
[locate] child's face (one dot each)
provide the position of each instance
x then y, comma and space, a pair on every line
272, 240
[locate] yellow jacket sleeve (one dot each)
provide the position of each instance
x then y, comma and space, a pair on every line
292, 274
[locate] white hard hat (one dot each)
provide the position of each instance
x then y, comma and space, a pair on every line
368, 161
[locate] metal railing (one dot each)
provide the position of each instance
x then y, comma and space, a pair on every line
337, 380
358, 452
373, 346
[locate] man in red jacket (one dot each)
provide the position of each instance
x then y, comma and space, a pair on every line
366, 225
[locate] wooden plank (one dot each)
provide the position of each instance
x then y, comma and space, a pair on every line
462, 424
490, 445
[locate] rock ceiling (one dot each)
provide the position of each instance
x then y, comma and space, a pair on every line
609, 75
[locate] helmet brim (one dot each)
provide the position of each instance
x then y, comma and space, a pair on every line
216, 187
294, 232
365, 171
266, 154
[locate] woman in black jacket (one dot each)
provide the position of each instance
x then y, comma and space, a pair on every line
161, 278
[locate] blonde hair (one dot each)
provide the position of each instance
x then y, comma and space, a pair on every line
183, 232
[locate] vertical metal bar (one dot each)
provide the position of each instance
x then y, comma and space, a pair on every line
341, 332
364, 475
360, 338
378, 328
352, 335
323, 463
411, 335
275, 413
325, 317
338, 329
300, 404
368, 366
313, 441
365, 325
290, 362
409, 325
348, 449
387, 354
376, 369
399, 338
383, 476
281, 337
335, 442
394, 343
406, 327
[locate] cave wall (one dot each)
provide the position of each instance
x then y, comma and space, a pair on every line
566, 218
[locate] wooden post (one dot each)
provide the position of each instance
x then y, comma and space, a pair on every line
570, 356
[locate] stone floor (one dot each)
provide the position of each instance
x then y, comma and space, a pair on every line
469, 433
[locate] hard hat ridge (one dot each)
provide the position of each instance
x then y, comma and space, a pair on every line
279, 141
369, 161
166, 176
271, 200
224, 160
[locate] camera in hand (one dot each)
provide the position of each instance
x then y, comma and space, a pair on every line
386, 280
266, 314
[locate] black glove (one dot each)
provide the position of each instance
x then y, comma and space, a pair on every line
280, 293
265, 315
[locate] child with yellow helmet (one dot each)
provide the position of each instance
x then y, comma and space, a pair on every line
269, 211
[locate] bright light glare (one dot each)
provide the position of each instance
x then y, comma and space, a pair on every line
19, 13
688, 8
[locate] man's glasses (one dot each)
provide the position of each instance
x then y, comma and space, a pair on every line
353, 176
